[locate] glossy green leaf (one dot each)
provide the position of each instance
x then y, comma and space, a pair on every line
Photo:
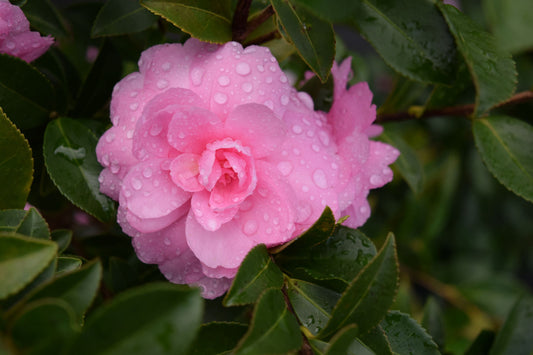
482, 344
26, 96
70, 158
408, 163
491, 68
215, 17
341, 12
217, 338
340, 257
44, 327
121, 275
511, 22
256, 274
312, 303
118, 17
515, 335
274, 329
77, 288
97, 87
163, 317
16, 163
343, 340
29, 223
377, 340
62, 237
433, 321
21, 260
67, 264
313, 38
406, 336
506, 147
46, 18
368, 298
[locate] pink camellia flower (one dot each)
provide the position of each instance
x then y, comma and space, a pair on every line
212, 152
16, 39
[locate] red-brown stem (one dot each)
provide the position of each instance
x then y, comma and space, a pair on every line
461, 110
240, 20
265, 38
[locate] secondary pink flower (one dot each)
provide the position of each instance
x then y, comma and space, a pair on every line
213, 152
16, 39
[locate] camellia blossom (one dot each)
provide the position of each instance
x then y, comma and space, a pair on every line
16, 39
212, 152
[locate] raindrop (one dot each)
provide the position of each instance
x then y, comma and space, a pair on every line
115, 168
297, 129
319, 178
283, 78
156, 129
161, 84
223, 81
134, 94
250, 227
375, 180
136, 183
261, 68
268, 80
324, 138
363, 209
285, 168
220, 98
71, 153
110, 137
101, 179
316, 148
284, 100
10, 45
242, 69
129, 134
246, 87
166, 66
147, 172
306, 100
166, 241
296, 151
269, 104
305, 188
197, 75
134, 106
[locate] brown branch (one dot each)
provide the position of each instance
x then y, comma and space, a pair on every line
240, 19
265, 38
461, 110
246, 28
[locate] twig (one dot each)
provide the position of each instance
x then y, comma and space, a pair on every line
461, 110
265, 38
245, 29
240, 19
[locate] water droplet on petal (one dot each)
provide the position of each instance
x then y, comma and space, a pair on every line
147, 172
220, 98
166, 66
324, 138
297, 129
261, 68
285, 168
156, 129
115, 168
161, 84
110, 137
250, 227
134, 106
375, 180
242, 69
136, 183
319, 178
305, 188
197, 75
246, 87
269, 104
10, 45
129, 134
306, 100
316, 148
284, 100
223, 81
283, 78
166, 241
100, 179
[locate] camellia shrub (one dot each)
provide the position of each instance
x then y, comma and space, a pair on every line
266, 177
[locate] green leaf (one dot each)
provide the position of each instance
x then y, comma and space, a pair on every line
340, 257
70, 158
408, 163
506, 147
511, 23
433, 321
214, 17
410, 35
406, 336
29, 223
16, 163
376, 340
26, 96
77, 288
67, 264
62, 237
98, 85
313, 38
515, 335
21, 260
121, 275
164, 319
46, 18
491, 68
44, 327
256, 274
273, 330
312, 303
369, 296
118, 17
217, 338
481, 344
342, 342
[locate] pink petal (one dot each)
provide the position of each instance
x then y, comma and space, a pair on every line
110, 184
184, 172
219, 272
191, 128
257, 127
27, 46
358, 213
114, 151
128, 102
209, 218
148, 193
224, 247
376, 168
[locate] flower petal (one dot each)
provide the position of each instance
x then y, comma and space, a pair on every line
184, 172
209, 218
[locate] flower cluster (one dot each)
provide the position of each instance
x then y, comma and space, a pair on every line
212, 152
16, 39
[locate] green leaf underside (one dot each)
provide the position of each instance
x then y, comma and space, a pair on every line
44, 327
404, 33
62, 237
506, 146
369, 296
26, 96
45, 17
77, 288
70, 158
377, 340
217, 338
21, 260
515, 335
16, 164
311, 303
256, 273
203, 19
273, 330
491, 68
122, 16
341, 342
406, 336
29, 223
153, 319
308, 33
